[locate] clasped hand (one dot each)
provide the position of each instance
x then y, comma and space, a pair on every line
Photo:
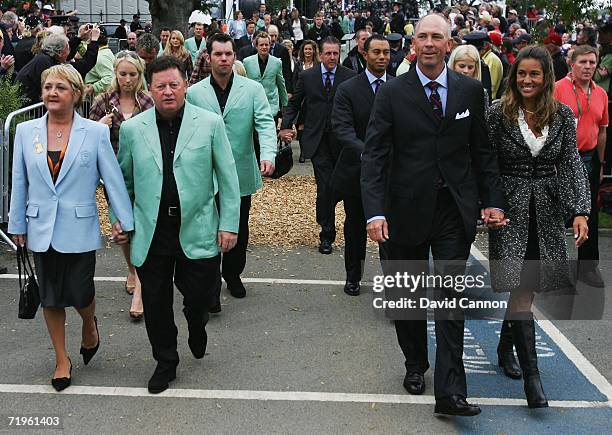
493, 218
119, 236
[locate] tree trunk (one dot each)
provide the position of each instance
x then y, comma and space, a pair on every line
172, 14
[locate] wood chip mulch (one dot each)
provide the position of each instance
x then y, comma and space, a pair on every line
282, 214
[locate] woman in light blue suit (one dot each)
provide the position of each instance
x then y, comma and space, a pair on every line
57, 164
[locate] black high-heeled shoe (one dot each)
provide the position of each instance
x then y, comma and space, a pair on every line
88, 354
62, 383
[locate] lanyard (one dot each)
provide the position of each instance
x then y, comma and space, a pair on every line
56, 168
578, 99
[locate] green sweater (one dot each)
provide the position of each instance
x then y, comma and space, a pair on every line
101, 75
603, 80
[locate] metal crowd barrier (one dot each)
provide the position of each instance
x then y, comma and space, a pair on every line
7, 138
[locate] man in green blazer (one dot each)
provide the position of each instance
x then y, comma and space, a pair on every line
170, 156
197, 42
244, 107
267, 70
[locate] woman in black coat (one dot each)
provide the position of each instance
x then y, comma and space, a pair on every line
546, 186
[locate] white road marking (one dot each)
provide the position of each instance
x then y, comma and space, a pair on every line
247, 280
290, 396
573, 354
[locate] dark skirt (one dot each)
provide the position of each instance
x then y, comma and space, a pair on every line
65, 280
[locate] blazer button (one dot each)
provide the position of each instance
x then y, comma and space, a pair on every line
54, 198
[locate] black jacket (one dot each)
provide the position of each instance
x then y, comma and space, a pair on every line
354, 61
120, 32
318, 35
23, 52
403, 124
30, 75
283, 54
246, 51
243, 42
309, 90
352, 107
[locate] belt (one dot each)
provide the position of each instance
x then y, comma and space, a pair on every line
174, 211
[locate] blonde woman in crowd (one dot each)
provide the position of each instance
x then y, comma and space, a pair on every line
176, 48
126, 98
466, 60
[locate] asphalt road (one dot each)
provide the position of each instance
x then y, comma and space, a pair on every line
265, 350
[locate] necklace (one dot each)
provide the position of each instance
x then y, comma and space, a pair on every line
58, 135
528, 111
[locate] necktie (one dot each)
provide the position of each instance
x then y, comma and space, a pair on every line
328, 82
435, 100
377, 84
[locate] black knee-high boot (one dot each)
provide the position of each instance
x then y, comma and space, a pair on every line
523, 332
505, 352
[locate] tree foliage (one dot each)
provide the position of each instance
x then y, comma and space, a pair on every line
11, 97
566, 11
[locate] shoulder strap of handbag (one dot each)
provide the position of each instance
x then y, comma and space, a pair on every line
27, 257
19, 260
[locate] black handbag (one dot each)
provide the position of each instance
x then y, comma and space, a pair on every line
284, 159
29, 298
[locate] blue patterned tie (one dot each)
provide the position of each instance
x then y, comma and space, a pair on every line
377, 84
435, 100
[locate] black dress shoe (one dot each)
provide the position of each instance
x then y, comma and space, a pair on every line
62, 383
456, 405
325, 247
352, 288
88, 354
197, 332
414, 383
161, 378
236, 288
216, 308
592, 278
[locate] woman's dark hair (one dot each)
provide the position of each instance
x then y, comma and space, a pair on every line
546, 106
165, 63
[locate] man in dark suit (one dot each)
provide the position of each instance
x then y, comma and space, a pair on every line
316, 88
443, 169
246, 51
277, 50
352, 107
247, 39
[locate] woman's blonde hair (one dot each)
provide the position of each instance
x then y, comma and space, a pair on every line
66, 72
546, 106
181, 53
466, 52
134, 59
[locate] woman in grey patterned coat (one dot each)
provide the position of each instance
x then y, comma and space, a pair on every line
546, 186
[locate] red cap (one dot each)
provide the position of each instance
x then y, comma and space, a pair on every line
553, 38
496, 38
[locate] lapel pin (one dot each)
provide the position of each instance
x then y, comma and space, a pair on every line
38, 146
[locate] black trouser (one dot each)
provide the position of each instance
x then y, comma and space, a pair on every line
323, 162
234, 261
588, 252
355, 238
195, 280
447, 242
